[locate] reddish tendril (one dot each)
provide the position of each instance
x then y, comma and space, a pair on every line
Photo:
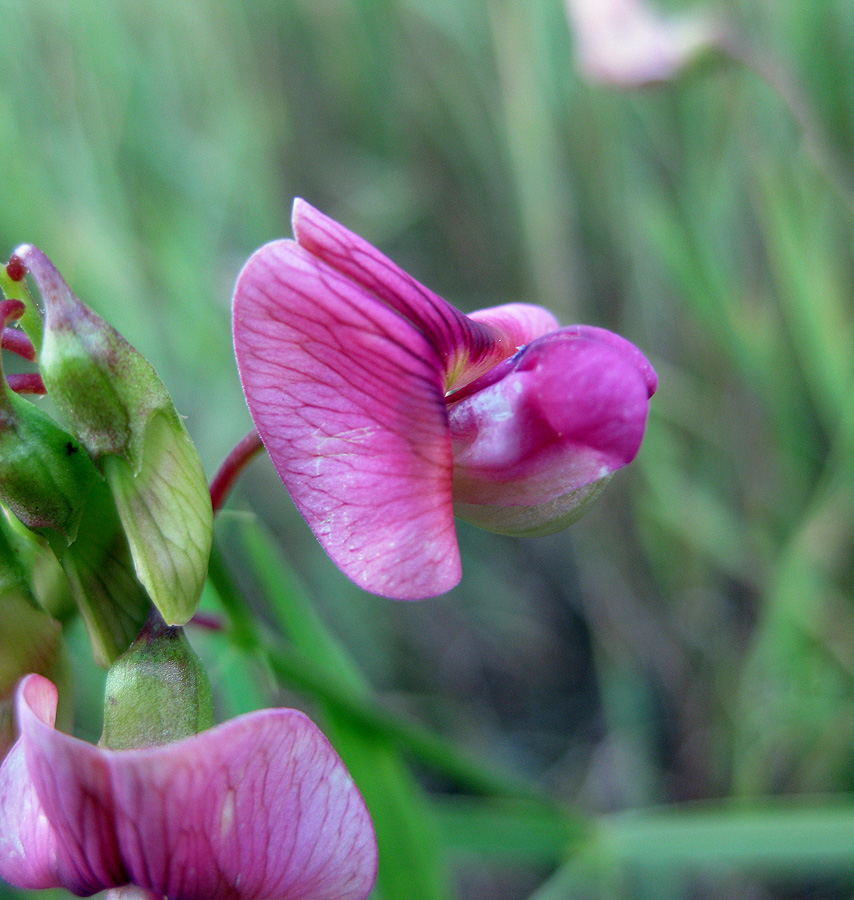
10, 310
15, 268
17, 342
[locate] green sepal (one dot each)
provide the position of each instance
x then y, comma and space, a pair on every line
157, 691
165, 508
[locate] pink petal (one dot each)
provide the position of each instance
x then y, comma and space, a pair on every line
467, 345
28, 845
625, 44
563, 414
260, 807
348, 397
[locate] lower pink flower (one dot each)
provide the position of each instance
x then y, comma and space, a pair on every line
259, 807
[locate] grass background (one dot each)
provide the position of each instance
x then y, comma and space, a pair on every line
657, 703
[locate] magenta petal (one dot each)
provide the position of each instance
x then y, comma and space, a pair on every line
467, 345
28, 844
260, 807
561, 416
520, 322
34, 852
348, 398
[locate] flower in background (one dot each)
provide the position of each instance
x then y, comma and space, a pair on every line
259, 807
385, 409
624, 44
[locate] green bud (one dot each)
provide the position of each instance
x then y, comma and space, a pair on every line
157, 692
100, 571
45, 476
118, 408
103, 388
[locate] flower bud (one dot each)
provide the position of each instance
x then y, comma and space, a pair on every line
100, 570
118, 408
157, 692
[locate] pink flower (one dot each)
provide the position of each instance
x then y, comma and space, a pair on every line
625, 44
259, 807
385, 409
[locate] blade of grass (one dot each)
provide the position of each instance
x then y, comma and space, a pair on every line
409, 843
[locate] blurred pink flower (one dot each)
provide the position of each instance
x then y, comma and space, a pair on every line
624, 44
385, 409
259, 807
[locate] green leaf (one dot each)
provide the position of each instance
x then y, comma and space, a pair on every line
510, 830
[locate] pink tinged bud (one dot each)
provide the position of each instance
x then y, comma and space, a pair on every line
114, 402
259, 807
624, 44
384, 409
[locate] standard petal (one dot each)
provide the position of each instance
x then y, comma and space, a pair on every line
55, 811
28, 847
260, 807
71, 780
566, 412
467, 345
348, 398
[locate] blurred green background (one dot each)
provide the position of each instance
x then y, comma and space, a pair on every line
686, 651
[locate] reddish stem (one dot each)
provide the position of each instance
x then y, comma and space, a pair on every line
234, 464
15, 340
206, 620
26, 383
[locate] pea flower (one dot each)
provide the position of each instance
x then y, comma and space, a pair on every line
385, 410
259, 807
624, 44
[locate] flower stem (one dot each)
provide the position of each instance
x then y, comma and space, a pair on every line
26, 383
236, 461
